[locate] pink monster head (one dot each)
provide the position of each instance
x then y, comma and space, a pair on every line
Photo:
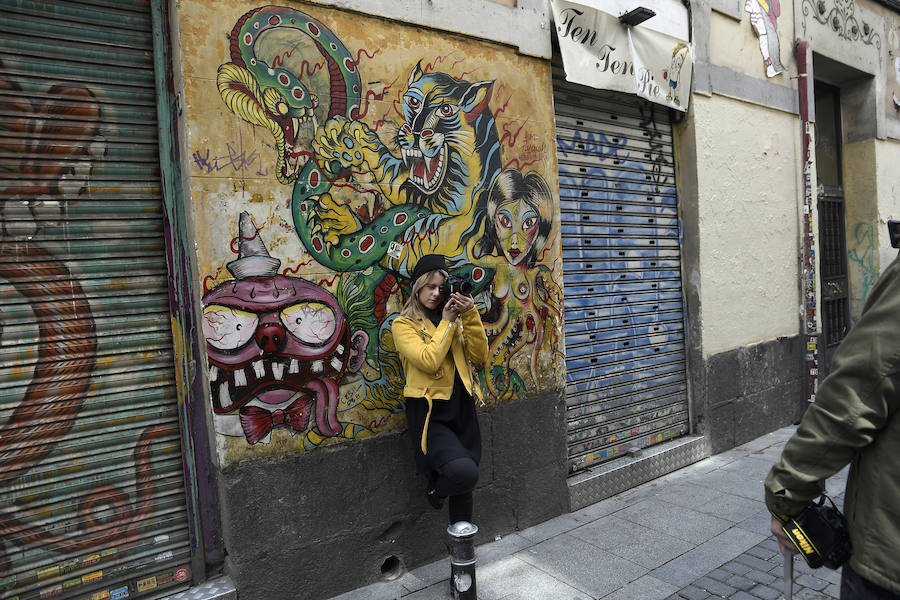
271, 338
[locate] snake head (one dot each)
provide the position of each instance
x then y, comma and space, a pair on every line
280, 109
289, 112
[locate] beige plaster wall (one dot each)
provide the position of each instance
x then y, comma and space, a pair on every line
861, 220
748, 164
872, 193
887, 157
734, 44
233, 164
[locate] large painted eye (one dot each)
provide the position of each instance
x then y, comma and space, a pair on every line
529, 223
503, 220
313, 323
228, 328
413, 102
447, 110
282, 108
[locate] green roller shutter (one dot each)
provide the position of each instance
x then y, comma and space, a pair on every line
92, 494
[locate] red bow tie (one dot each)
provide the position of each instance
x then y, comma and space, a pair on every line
257, 422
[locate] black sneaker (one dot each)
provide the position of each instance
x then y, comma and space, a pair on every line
434, 499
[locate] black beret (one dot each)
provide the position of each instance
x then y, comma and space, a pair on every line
428, 263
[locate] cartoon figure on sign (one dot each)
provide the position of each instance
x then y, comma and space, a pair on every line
525, 301
277, 348
679, 54
764, 19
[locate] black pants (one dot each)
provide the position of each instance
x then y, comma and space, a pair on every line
856, 587
456, 480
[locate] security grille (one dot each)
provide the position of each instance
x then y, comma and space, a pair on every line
625, 348
92, 494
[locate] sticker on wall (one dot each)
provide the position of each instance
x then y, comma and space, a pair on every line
764, 20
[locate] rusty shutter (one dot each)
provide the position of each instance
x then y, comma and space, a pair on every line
92, 494
625, 349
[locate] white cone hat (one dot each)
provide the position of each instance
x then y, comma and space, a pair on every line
253, 259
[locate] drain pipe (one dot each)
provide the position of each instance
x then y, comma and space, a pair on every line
810, 295
462, 560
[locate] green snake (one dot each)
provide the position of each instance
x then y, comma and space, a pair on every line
273, 97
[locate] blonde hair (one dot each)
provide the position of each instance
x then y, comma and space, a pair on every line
413, 308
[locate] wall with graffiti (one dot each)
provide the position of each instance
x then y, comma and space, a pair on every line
91, 475
328, 151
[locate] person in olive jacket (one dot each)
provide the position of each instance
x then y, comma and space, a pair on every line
855, 419
439, 339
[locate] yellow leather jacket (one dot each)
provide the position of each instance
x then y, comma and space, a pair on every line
430, 354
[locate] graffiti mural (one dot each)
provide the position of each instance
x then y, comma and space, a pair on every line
525, 300
626, 382
764, 20
382, 153
277, 346
863, 258
79, 457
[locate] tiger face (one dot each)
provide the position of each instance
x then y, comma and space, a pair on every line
448, 139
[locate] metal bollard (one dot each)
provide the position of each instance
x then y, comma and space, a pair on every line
462, 560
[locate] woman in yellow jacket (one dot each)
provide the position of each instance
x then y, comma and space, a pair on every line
439, 339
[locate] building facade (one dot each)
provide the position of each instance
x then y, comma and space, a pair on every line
210, 214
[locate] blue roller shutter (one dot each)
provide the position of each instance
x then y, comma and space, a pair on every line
625, 344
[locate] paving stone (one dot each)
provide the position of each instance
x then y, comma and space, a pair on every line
833, 590
645, 588
438, 591
829, 575
765, 592
808, 594
693, 593
674, 520
740, 582
742, 595
632, 542
592, 512
811, 582
499, 549
754, 563
760, 552
732, 483
548, 529
514, 579
706, 557
582, 565
759, 522
760, 577
720, 574
714, 587
736, 567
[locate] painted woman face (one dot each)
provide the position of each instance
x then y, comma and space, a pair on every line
516, 224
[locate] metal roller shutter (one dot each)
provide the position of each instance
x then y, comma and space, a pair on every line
92, 494
625, 348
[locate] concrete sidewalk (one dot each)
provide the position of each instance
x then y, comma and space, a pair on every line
700, 532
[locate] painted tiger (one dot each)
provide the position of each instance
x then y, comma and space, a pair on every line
449, 154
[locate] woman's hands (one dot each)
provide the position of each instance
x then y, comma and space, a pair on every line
456, 305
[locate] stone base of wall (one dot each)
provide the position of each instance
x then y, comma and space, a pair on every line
318, 524
752, 390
